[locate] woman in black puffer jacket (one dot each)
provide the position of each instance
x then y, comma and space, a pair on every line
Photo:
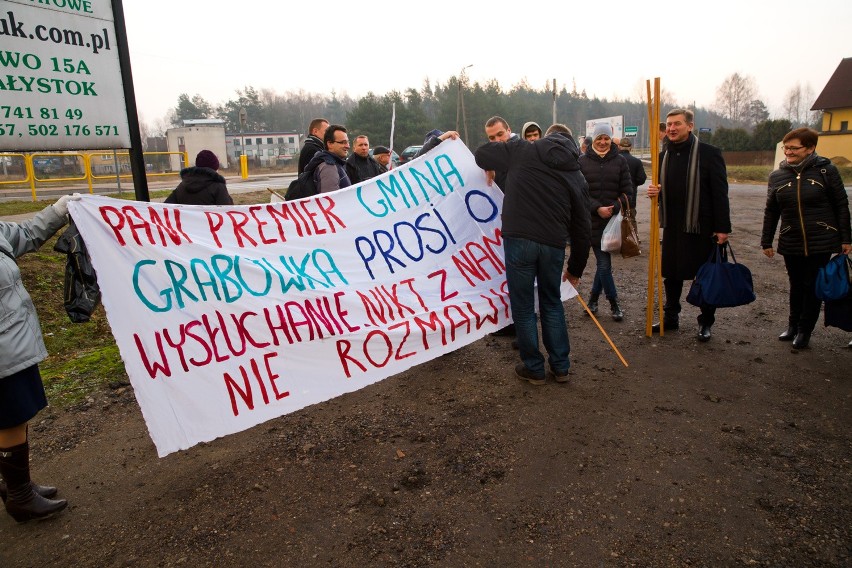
807, 195
608, 176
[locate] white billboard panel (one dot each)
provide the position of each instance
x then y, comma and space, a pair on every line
617, 123
60, 79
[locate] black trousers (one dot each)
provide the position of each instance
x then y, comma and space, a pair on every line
804, 305
671, 309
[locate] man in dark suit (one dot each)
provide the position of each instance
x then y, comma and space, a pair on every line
694, 213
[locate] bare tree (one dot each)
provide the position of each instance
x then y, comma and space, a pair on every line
734, 96
797, 104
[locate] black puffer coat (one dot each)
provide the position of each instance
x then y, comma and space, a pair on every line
812, 206
546, 198
200, 186
608, 178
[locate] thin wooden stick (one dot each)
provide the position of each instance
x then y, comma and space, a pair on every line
594, 319
654, 255
273, 192
653, 140
657, 243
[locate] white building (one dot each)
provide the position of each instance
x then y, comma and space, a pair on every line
266, 148
197, 135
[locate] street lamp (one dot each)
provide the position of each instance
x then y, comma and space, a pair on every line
460, 102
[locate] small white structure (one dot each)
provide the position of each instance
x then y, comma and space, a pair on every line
267, 149
194, 136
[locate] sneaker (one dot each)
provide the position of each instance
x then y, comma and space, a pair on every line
526, 375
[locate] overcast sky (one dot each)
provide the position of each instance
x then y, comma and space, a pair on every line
214, 47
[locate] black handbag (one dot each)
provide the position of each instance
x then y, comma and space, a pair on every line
721, 284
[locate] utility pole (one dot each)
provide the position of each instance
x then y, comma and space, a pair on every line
554, 101
460, 102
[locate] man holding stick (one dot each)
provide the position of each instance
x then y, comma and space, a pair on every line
546, 200
694, 213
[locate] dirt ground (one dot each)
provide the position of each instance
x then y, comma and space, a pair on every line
731, 453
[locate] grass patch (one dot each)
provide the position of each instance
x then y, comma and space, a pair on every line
20, 207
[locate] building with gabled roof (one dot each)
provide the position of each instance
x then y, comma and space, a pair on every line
835, 102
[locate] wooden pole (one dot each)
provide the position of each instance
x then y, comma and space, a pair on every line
654, 259
594, 319
275, 193
657, 244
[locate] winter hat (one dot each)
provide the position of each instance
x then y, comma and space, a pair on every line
625, 142
602, 129
531, 126
380, 150
433, 134
207, 159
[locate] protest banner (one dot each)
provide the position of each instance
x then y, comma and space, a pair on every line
228, 316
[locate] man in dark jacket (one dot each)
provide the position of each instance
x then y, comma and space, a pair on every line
201, 184
313, 143
360, 166
694, 213
546, 200
498, 130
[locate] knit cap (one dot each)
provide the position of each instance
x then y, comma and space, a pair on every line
207, 159
602, 129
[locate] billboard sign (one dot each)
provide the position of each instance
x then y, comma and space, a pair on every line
60, 78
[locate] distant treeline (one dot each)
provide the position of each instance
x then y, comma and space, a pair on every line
446, 107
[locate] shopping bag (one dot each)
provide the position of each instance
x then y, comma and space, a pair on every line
833, 279
721, 284
611, 237
629, 237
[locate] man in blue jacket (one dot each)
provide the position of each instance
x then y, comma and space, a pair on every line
546, 200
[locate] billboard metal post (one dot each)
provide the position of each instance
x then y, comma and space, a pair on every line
137, 159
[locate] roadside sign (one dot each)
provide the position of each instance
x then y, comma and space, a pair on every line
705, 130
631, 130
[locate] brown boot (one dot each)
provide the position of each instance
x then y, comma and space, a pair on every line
22, 502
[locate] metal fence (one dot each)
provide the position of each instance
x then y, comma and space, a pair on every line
32, 171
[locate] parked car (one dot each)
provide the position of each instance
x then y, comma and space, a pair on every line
409, 153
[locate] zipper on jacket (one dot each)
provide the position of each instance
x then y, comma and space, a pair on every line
815, 182
788, 184
801, 218
826, 226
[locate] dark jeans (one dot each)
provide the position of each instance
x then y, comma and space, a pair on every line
674, 289
603, 274
526, 263
804, 305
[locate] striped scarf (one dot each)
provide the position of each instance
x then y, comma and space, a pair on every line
693, 189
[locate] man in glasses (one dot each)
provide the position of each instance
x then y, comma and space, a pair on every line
330, 174
694, 213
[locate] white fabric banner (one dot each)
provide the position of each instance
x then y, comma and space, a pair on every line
229, 316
